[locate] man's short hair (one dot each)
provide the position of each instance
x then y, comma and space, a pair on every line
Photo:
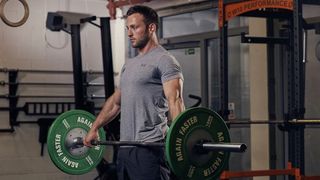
149, 14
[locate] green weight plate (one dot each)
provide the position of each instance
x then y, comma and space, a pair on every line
67, 157
192, 127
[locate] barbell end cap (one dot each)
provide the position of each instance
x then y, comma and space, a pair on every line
243, 148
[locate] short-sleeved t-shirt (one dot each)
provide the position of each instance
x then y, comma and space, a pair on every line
144, 108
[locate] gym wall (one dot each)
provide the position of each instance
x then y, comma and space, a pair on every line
32, 46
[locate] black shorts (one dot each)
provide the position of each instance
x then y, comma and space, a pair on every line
142, 163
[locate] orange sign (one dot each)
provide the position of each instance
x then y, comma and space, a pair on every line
235, 9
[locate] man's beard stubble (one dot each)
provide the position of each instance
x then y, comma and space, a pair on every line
142, 42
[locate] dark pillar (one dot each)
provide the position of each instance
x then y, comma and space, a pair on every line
224, 88
296, 91
77, 67
107, 56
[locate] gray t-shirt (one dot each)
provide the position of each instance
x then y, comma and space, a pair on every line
144, 108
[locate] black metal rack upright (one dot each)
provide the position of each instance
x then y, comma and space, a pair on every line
296, 86
107, 56
77, 66
224, 98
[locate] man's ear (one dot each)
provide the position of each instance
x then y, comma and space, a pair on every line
152, 27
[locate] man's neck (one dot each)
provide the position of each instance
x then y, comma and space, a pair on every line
153, 43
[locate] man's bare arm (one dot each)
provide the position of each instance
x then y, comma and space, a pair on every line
173, 92
110, 110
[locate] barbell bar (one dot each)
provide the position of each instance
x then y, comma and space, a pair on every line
229, 147
197, 144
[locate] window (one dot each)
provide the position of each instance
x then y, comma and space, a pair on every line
190, 23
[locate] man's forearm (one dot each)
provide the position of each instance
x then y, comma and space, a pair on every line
175, 108
109, 111
173, 92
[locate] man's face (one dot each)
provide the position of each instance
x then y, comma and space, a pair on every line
137, 31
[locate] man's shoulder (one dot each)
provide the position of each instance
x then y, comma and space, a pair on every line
162, 53
161, 49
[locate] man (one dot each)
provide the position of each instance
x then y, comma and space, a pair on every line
150, 95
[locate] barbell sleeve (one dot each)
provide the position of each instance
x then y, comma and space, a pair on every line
229, 147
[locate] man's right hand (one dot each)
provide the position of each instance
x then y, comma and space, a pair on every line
92, 135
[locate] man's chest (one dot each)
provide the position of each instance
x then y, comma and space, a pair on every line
140, 73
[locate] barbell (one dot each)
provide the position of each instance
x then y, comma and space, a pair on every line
197, 144
78, 142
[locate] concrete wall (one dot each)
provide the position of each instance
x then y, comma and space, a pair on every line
312, 102
258, 97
